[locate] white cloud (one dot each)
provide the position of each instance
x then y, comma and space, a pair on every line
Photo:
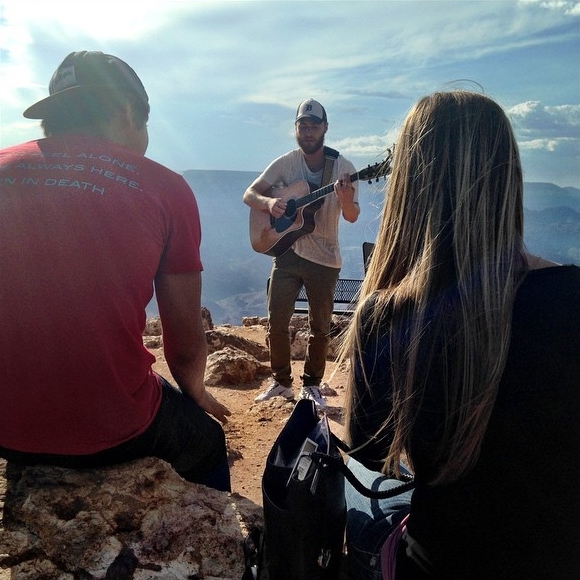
365, 147
532, 119
540, 144
572, 8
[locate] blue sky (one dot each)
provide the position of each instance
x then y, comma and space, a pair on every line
225, 77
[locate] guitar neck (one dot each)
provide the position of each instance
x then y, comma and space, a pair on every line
323, 191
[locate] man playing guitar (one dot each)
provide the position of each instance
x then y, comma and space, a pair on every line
309, 256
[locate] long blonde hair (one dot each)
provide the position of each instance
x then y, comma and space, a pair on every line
448, 259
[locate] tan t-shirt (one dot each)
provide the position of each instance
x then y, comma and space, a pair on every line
321, 246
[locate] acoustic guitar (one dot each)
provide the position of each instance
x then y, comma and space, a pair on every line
274, 236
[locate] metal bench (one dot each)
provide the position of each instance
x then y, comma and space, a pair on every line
345, 295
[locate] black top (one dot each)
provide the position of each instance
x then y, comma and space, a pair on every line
516, 515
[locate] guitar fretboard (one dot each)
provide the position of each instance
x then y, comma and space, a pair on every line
314, 195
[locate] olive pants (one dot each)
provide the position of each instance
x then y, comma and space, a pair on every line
289, 273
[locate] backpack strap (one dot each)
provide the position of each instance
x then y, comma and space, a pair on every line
407, 480
337, 463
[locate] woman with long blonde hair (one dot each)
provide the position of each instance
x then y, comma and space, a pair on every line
465, 358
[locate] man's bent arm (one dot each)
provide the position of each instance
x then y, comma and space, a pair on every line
345, 192
259, 196
184, 342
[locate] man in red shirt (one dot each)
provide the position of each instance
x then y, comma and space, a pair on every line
88, 228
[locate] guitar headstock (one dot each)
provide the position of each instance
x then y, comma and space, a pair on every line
380, 169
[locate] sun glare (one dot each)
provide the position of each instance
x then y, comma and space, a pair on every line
102, 20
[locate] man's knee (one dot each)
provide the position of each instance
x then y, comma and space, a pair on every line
203, 453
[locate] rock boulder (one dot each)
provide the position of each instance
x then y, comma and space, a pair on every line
135, 521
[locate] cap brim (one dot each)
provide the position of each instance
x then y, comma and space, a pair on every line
44, 107
313, 117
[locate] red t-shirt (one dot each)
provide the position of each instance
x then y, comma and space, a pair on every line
85, 226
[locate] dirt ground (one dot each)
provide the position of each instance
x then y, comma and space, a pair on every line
253, 427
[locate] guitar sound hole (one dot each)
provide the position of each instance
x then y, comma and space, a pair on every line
290, 209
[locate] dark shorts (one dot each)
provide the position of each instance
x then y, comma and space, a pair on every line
181, 433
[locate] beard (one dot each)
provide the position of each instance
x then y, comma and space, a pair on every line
308, 146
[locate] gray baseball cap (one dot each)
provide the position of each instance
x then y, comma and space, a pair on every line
311, 109
85, 72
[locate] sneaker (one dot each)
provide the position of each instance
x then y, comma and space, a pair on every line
275, 390
313, 393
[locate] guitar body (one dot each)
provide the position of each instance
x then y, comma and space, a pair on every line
275, 236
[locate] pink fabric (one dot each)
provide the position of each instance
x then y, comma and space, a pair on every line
85, 226
389, 550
